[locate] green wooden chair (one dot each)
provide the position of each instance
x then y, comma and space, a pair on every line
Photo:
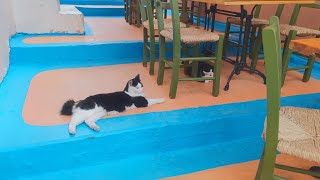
289, 130
255, 45
256, 26
150, 32
290, 31
190, 36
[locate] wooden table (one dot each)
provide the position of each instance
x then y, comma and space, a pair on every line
307, 46
241, 65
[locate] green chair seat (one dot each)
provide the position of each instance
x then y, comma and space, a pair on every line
167, 24
255, 22
301, 31
192, 35
299, 133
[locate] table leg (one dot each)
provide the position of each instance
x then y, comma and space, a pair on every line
242, 64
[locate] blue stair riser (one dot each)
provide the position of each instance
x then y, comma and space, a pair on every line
91, 151
110, 12
111, 53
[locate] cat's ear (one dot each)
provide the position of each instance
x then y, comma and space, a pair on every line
211, 71
137, 77
130, 83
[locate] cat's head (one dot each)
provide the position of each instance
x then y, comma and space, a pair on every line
134, 87
208, 74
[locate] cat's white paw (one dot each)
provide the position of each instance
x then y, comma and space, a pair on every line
161, 100
72, 130
96, 128
93, 126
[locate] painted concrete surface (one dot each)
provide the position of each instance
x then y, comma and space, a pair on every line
58, 86
103, 30
248, 170
149, 145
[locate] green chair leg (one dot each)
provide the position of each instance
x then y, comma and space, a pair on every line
195, 63
252, 41
145, 47
287, 54
175, 78
152, 52
307, 72
285, 63
162, 59
256, 50
217, 66
261, 162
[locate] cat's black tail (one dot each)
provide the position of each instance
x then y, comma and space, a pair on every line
67, 108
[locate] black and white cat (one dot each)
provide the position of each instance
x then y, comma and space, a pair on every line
204, 70
95, 107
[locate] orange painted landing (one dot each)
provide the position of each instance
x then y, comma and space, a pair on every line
49, 90
103, 30
247, 171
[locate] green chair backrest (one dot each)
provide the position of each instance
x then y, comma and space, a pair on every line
278, 11
273, 60
146, 9
296, 11
173, 5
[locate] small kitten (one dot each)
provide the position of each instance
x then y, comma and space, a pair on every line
204, 70
207, 74
95, 107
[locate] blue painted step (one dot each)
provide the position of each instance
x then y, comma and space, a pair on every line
157, 133
75, 53
209, 136
93, 2
101, 11
160, 165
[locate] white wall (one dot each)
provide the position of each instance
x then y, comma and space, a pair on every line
7, 29
43, 16
34, 16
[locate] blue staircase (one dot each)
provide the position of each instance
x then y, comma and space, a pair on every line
143, 147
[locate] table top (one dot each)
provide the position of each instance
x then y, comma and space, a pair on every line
307, 46
253, 2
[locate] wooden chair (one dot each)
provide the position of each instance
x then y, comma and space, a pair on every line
191, 36
255, 45
292, 131
256, 26
290, 31
150, 31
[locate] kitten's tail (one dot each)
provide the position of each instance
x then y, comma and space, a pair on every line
67, 108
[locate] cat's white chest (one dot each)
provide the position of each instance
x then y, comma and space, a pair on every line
112, 112
130, 107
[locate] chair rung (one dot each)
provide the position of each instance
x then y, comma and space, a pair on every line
196, 79
297, 68
198, 58
298, 170
168, 63
234, 43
